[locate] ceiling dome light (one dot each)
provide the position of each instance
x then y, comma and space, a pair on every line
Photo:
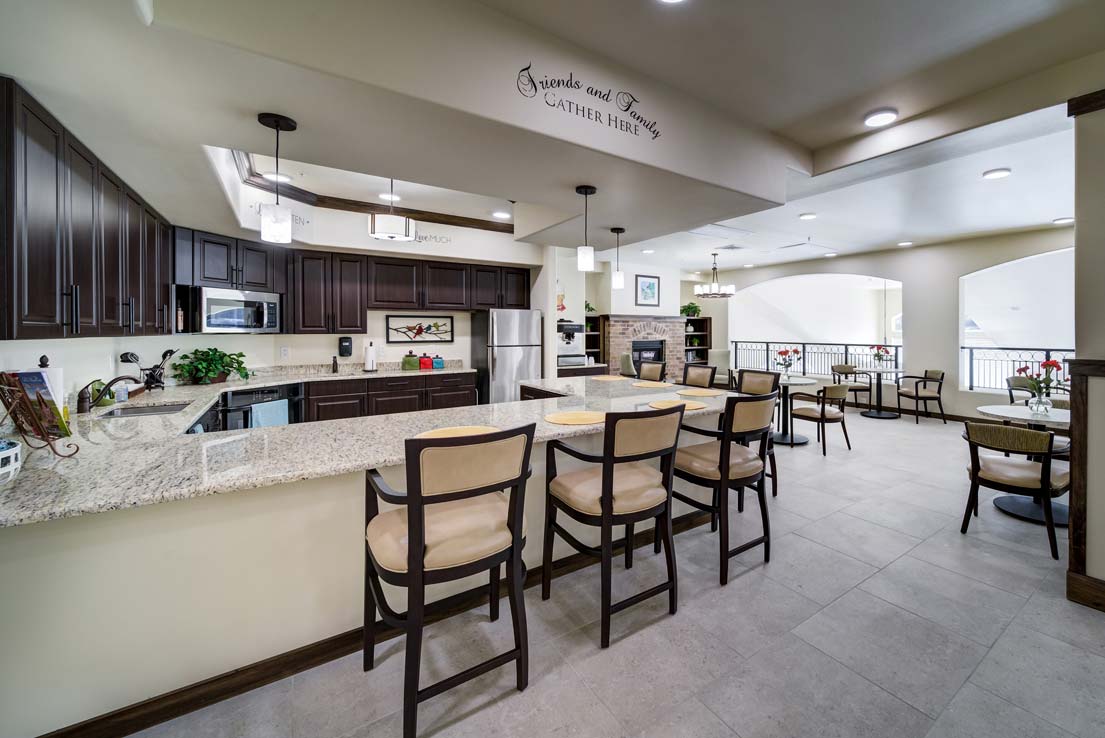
648, 251
585, 254
807, 216
390, 197
276, 219
905, 243
617, 279
713, 289
389, 226
999, 173
501, 215
1063, 221
830, 255
671, 2
880, 117
749, 266
276, 177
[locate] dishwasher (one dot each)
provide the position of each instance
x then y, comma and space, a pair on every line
236, 406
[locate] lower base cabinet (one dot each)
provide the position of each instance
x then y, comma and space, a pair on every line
443, 397
399, 401
336, 407
357, 398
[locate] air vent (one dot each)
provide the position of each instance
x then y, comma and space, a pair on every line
716, 230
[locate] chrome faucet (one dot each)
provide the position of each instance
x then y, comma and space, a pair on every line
85, 401
153, 377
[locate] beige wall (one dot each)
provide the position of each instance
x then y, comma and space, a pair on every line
716, 309
930, 294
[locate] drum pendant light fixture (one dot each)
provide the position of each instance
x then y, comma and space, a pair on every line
713, 289
389, 226
617, 279
276, 219
585, 254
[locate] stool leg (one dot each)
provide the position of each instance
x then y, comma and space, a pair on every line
493, 600
629, 545
774, 474
740, 500
416, 595
713, 515
844, 427
972, 504
546, 558
369, 645
516, 580
761, 493
656, 536
607, 556
1050, 528
723, 537
669, 559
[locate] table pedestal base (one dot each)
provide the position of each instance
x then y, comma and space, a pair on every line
879, 414
1024, 508
783, 439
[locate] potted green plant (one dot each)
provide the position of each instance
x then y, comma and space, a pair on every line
209, 366
690, 310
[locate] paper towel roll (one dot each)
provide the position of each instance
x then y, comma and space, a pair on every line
370, 357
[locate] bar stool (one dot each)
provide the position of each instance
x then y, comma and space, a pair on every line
618, 489
455, 521
653, 371
698, 375
755, 382
829, 409
729, 463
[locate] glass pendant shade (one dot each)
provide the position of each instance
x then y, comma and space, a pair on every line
585, 258
276, 223
387, 227
617, 280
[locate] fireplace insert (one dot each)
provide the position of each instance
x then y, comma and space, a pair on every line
646, 351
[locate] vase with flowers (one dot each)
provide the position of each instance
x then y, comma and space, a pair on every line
1041, 383
786, 358
881, 354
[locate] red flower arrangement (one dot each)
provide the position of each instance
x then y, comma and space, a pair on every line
1040, 383
881, 353
785, 358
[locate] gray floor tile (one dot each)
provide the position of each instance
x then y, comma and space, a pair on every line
1050, 612
801, 499
949, 500
813, 570
792, 689
917, 661
1019, 572
965, 606
263, 713
1052, 679
900, 516
975, 713
692, 719
859, 539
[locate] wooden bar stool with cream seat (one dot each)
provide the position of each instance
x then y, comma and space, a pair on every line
619, 488
858, 381
1040, 476
924, 389
755, 382
462, 514
828, 410
699, 375
730, 462
653, 371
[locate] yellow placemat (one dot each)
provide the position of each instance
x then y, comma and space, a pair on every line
649, 383
576, 417
457, 430
700, 392
608, 378
665, 404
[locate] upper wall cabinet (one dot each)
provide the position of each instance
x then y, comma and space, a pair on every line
328, 293
234, 264
446, 286
410, 284
81, 255
395, 283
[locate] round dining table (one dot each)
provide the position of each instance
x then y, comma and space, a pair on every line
877, 373
784, 434
1022, 506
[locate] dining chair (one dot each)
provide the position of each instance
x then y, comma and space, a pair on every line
699, 375
1039, 475
653, 371
858, 381
734, 459
1017, 384
618, 488
755, 382
461, 514
921, 390
829, 409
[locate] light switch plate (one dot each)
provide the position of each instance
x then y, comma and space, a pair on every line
285, 352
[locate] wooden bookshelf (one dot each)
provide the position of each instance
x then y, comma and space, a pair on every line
593, 343
696, 340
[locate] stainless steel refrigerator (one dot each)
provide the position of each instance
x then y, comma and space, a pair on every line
506, 348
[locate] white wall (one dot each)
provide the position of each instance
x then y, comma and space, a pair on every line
572, 284
621, 302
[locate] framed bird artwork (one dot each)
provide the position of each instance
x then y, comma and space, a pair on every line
419, 328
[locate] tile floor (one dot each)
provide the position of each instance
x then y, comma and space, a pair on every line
874, 618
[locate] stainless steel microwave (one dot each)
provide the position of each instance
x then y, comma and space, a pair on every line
235, 311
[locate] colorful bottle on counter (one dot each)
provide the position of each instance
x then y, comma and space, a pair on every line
425, 362
410, 361
439, 363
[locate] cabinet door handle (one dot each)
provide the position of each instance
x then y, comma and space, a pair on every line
166, 326
75, 315
130, 315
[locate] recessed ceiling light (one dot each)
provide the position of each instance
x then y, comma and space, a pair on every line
501, 215
905, 243
880, 117
671, 2
1063, 221
390, 197
1000, 173
274, 177
807, 216
749, 266
648, 251
830, 255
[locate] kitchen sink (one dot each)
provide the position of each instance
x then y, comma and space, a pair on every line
125, 412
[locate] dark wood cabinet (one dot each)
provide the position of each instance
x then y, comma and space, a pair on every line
514, 287
398, 401
395, 284
348, 293
112, 255
446, 285
353, 398
443, 397
255, 266
228, 263
151, 269
165, 289
134, 263
214, 260
310, 292
337, 407
485, 286
499, 287
83, 269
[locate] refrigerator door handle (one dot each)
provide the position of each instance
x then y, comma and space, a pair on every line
491, 363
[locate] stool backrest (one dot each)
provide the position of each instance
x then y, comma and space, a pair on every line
467, 466
640, 435
697, 375
836, 392
652, 371
1008, 438
844, 369
750, 415
754, 382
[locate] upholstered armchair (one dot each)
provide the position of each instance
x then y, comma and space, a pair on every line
922, 390
857, 381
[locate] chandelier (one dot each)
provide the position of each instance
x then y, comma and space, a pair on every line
713, 289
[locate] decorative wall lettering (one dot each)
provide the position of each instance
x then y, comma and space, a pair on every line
557, 93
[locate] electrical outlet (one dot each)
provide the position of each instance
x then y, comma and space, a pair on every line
285, 353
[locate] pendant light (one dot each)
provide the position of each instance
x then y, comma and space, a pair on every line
713, 289
585, 254
617, 279
389, 226
276, 219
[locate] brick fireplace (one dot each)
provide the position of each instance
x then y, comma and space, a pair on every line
623, 330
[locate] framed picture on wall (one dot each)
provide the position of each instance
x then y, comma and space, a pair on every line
419, 328
648, 291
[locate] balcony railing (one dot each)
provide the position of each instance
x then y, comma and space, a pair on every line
816, 358
987, 367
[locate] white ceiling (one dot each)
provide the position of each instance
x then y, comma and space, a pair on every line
931, 203
810, 69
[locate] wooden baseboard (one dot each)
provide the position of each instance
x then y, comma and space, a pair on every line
165, 707
1086, 590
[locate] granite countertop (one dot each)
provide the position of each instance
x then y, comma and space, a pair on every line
135, 461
